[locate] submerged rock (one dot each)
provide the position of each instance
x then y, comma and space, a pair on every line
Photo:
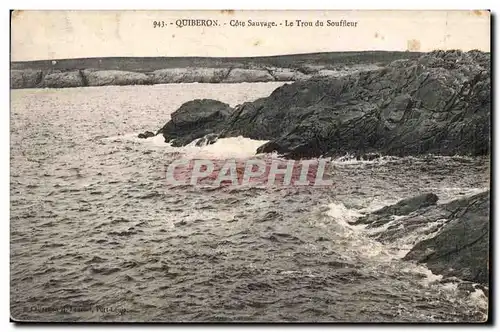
461, 247
195, 119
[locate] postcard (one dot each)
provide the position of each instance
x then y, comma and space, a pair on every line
240, 166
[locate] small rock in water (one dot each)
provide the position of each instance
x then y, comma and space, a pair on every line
146, 134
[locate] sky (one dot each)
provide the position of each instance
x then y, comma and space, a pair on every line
41, 35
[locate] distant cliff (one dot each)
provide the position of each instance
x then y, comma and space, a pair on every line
29, 78
69, 73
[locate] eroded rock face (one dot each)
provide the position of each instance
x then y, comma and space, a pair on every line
195, 119
189, 75
115, 77
20, 79
437, 104
461, 248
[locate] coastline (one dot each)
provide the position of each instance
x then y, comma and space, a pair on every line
66, 73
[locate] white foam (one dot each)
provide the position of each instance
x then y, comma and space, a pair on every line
384, 227
478, 299
360, 236
402, 245
451, 287
430, 278
157, 140
356, 242
340, 213
223, 148
349, 159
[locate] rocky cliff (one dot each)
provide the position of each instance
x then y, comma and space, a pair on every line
439, 103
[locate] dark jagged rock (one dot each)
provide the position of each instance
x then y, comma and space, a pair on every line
437, 104
270, 117
195, 119
461, 247
146, 134
401, 208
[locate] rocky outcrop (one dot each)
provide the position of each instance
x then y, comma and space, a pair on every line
437, 104
67, 79
115, 77
450, 238
26, 79
195, 119
461, 248
408, 108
